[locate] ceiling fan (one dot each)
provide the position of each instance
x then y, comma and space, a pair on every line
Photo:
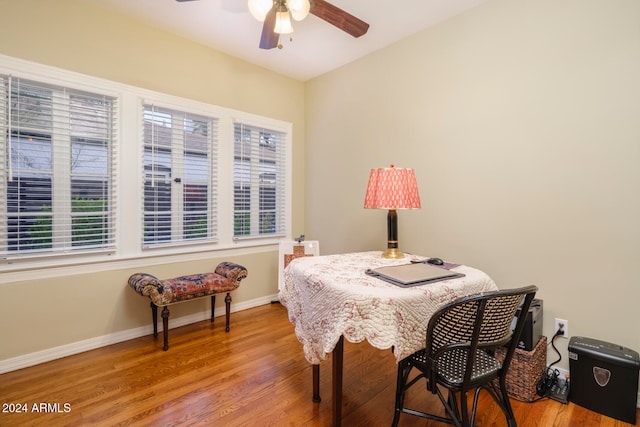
276, 15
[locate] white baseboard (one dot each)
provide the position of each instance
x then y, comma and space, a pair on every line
47, 355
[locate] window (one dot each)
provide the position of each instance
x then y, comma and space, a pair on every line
93, 171
179, 179
57, 152
259, 182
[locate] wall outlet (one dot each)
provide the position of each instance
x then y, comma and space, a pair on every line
564, 324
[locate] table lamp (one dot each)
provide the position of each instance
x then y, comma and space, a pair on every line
392, 188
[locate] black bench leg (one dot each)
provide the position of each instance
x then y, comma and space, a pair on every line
165, 327
227, 300
213, 306
154, 319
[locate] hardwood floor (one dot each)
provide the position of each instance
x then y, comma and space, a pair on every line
255, 375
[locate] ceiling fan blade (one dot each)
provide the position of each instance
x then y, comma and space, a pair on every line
185, 0
339, 18
269, 38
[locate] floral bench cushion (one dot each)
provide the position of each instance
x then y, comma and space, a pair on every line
226, 278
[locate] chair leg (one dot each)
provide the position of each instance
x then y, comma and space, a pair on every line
154, 319
475, 405
453, 405
450, 405
165, 327
506, 403
501, 397
404, 369
464, 408
213, 306
227, 301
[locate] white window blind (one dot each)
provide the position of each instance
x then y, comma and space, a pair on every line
180, 181
259, 182
57, 149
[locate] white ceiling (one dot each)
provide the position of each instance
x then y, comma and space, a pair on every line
317, 46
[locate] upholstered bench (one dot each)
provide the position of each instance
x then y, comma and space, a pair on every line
226, 278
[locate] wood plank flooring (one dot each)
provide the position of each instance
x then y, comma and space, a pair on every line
255, 375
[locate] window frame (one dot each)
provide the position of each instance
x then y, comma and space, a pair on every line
256, 170
176, 151
60, 136
128, 188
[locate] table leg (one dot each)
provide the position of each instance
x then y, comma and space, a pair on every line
338, 354
316, 383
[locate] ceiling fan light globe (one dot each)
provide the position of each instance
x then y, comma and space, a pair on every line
299, 9
283, 23
260, 8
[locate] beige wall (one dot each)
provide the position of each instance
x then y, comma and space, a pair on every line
60, 309
521, 119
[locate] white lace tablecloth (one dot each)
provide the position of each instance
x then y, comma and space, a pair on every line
329, 296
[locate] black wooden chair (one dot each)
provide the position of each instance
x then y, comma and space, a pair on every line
458, 357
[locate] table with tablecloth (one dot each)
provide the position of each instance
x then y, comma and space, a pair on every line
330, 298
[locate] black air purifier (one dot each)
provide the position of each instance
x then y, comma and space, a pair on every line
604, 377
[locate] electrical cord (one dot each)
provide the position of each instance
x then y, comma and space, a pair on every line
556, 335
550, 377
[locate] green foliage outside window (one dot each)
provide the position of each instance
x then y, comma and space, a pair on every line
39, 232
86, 229
89, 229
196, 229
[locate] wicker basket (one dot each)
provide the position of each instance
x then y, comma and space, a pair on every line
526, 370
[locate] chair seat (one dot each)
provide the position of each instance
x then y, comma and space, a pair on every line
451, 366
